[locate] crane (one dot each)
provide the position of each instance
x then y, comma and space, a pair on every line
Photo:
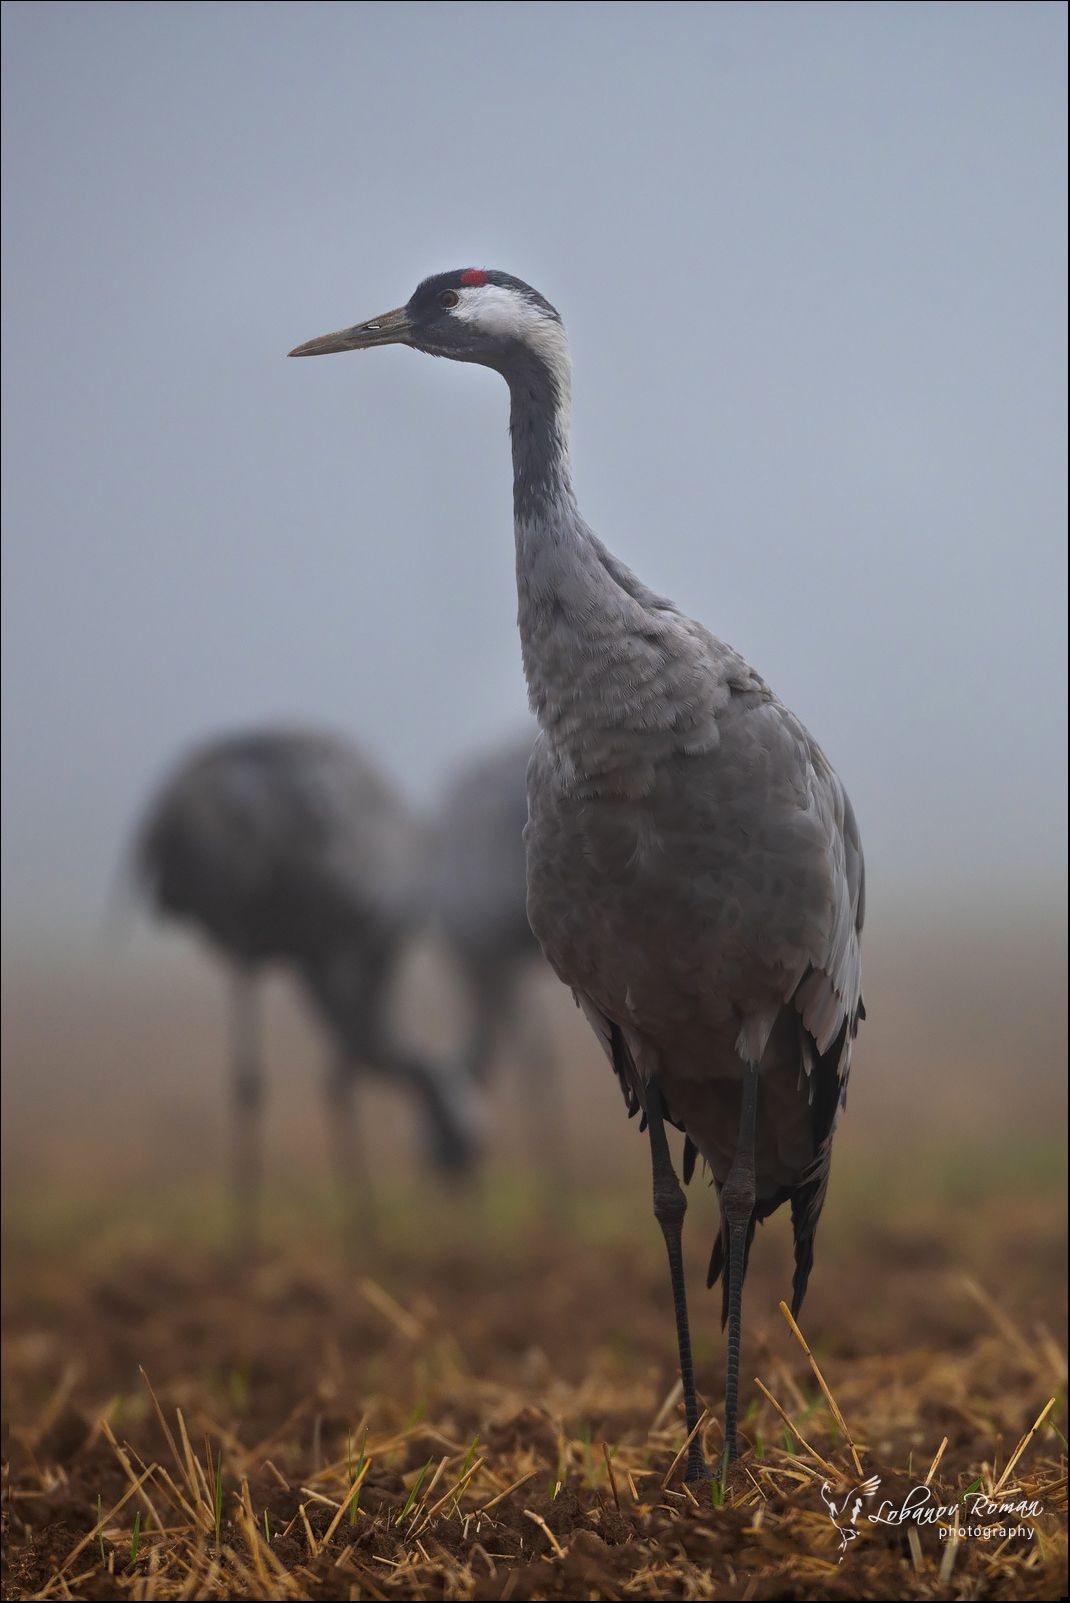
694, 866
478, 902
288, 846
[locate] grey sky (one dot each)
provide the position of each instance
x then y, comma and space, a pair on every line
812, 260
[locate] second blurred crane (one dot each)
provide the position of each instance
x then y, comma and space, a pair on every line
288, 846
478, 895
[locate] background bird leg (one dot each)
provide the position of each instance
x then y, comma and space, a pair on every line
737, 1205
246, 1106
349, 1153
670, 1205
542, 1099
484, 986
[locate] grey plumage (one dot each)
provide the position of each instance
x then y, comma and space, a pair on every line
694, 866
478, 888
710, 905
289, 847
280, 845
478, 902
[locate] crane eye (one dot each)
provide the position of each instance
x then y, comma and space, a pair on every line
449, 298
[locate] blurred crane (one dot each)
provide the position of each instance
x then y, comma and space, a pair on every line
478, 896
478, 888
287, 846
694, 866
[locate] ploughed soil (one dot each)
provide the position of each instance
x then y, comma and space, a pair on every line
486, 1407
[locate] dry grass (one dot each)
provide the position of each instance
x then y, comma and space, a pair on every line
442, 1423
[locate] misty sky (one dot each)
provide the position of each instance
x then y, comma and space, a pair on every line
812, 260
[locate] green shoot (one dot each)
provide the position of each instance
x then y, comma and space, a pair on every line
416, 1413
135, 1540
238, 1387
469, 1459
267, 1532
809, 1409
414, 1493
100, 1529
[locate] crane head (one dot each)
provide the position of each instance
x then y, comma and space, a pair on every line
471, 315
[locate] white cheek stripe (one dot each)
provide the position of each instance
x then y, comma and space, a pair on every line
495, 310
502, 313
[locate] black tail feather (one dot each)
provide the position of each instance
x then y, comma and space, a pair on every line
804, 1224
717, 1261
806, 1203
719, 1269
807, 1197
624, 1069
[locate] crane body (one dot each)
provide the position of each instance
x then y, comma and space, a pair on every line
694, 867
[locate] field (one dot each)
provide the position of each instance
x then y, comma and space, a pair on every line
482, 1403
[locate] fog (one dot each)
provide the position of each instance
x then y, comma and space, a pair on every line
812, 261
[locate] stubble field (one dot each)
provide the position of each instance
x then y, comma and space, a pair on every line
483, 1403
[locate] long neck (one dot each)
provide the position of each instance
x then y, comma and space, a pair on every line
540, 424
594, 639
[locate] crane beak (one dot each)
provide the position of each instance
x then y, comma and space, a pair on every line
393, 328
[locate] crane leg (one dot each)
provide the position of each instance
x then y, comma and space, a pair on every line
349, 1154
247, 1099
670, 1205
737, 1205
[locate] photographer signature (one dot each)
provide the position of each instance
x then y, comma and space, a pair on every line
919, 1507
